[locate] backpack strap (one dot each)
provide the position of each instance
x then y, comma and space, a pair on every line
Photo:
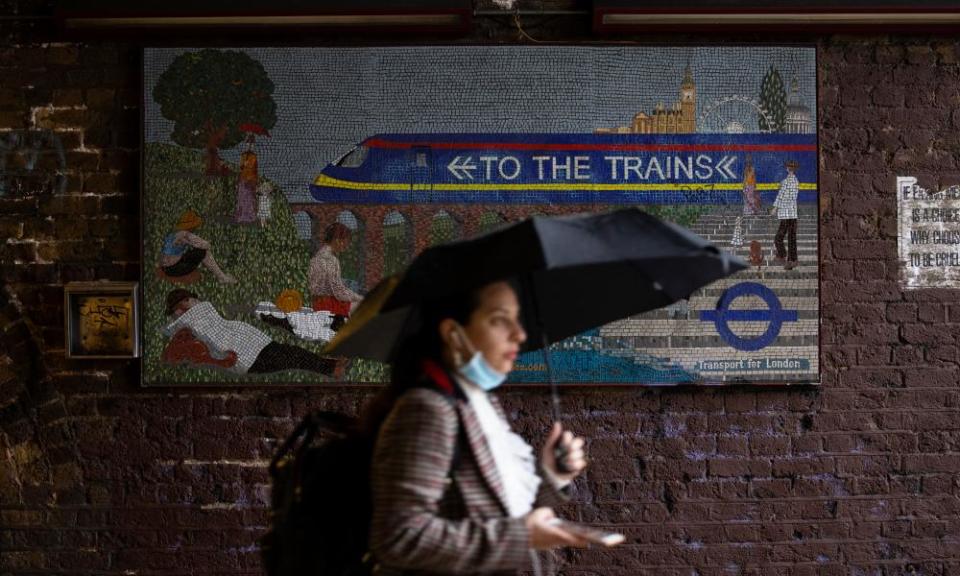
303, 435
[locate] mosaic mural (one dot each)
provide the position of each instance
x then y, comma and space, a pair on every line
280, 184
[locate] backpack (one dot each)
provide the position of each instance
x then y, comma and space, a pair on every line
320, 499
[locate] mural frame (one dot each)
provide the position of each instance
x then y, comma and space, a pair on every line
283, 380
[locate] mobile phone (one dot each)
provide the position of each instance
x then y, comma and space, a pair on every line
589, 533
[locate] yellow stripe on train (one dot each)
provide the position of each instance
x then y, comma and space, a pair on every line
329, 182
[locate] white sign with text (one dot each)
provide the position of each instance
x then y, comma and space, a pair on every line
929, 235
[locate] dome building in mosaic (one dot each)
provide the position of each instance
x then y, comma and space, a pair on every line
799, 119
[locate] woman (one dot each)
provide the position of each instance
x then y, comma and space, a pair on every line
326, 283
245, 212
751, 198
454, 490
183, 251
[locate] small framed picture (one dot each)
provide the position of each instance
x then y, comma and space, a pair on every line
102, 319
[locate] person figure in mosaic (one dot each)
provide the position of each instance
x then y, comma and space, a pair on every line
326, 284
251, 350
751, 198
247, 185
184, 251
785, 208
288, 312
264, 202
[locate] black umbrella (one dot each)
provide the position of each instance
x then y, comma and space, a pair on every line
575, 273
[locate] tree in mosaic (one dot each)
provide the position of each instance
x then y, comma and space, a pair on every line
212, 97
773, 98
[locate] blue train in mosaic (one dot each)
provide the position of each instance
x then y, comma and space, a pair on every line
566, 169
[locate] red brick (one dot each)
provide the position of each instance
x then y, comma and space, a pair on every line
945, 377
806, 445
68, 97
870, 270
70, 205
875, 355
732, 446
931, 463
738, 467
864, 465
13, 119
804, 466
871, 378
771, 488
100, 97
769, 446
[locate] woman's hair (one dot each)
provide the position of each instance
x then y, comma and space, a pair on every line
424, 342
336, 231
421, 343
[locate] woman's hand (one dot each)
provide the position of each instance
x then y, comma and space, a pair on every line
544, 535
571, 454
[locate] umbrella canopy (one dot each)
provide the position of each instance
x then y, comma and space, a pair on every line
575, 273
253, 128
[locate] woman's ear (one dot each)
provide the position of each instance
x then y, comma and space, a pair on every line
448, 333
452, 341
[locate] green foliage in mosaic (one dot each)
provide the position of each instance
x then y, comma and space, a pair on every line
490, 221
265, 260
211, 91
773, 98
444, 228
397, 247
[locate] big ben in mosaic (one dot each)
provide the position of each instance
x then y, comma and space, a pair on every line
678, 118
688, 103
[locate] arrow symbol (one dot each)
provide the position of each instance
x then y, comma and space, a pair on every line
465, 168
723, 167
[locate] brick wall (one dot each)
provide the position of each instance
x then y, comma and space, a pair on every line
861, 476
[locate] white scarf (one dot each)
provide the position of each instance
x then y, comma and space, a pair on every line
513, 457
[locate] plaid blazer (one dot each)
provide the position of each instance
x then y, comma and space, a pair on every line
429, 519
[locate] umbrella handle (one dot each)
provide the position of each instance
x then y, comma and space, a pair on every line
559, 454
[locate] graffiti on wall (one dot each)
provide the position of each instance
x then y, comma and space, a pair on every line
32, 162
281, 185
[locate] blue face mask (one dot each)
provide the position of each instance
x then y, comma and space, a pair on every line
477, 369
481, 373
